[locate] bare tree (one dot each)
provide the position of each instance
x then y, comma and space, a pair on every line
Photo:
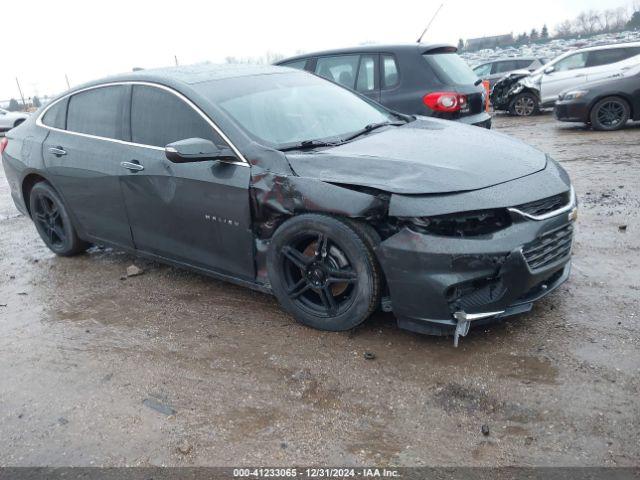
564, 29
588, 22
621, 18
608, 19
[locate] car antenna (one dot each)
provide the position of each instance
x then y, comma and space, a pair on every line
430, 22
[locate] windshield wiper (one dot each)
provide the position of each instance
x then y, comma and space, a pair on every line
305, 144
371, 127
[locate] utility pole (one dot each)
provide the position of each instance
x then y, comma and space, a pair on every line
24, 105
176, 59
67, 79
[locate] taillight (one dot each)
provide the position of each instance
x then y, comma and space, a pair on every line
3, 144
445, 101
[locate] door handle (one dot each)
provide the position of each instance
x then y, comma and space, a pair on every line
57, 151
132, 166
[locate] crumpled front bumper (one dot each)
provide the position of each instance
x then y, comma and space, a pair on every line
433, 280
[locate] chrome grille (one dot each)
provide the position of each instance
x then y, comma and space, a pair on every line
549, 247
546, 205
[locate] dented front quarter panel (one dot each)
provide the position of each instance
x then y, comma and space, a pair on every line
276, 194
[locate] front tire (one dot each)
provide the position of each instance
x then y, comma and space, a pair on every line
525, 104
610, 113
53, 222
324, 272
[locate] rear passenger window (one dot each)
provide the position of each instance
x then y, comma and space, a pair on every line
506, 66
56, 115
366, 74
524, 63
633, 51
299, 64
159, 118
605, 57
100, 112
390, 76
340, 69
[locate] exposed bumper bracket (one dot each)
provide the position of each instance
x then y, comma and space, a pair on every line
464, 322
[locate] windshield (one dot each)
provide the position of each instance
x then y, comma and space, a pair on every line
285, 109
451, 68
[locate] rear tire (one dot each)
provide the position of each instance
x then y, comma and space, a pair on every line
323, 271
610, 113
53, 222
525, 104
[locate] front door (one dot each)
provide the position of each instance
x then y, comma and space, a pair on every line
197, 213
570, 72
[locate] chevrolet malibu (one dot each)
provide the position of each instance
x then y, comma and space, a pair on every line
289, 184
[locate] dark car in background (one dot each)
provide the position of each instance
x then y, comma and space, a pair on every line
605, 104
415, 79
496, 69
284, 182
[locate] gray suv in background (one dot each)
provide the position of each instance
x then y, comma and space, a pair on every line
496, 69
415, 79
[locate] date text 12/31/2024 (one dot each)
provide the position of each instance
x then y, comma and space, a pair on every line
315, 473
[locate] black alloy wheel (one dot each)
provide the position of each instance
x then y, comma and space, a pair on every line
52, 221
610, 113
323, 272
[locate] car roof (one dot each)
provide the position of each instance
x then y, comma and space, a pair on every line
592, 49
373, 48
504, 59
198, 73
606, 47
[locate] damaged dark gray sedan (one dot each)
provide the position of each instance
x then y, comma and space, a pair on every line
281, 181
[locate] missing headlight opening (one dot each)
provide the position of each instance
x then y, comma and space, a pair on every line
467, 224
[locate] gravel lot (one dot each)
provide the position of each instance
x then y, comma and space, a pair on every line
173, 368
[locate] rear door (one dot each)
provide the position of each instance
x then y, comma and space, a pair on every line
196, 213
83, 152
354, 71
605, 63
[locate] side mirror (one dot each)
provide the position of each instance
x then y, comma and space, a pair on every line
549, 70
195, 150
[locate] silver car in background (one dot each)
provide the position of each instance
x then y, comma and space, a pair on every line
9, 120
494, 70
523, 94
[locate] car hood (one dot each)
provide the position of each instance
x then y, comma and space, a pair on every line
422, 157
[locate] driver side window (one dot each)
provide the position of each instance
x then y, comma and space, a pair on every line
572, 62
159, 118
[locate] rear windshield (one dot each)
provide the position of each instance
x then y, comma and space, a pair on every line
451, 68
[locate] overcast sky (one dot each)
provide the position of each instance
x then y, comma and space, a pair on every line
44, 39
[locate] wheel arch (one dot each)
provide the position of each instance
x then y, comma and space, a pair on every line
27, 185
627, 98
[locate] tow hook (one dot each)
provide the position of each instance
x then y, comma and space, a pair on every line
464, 322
